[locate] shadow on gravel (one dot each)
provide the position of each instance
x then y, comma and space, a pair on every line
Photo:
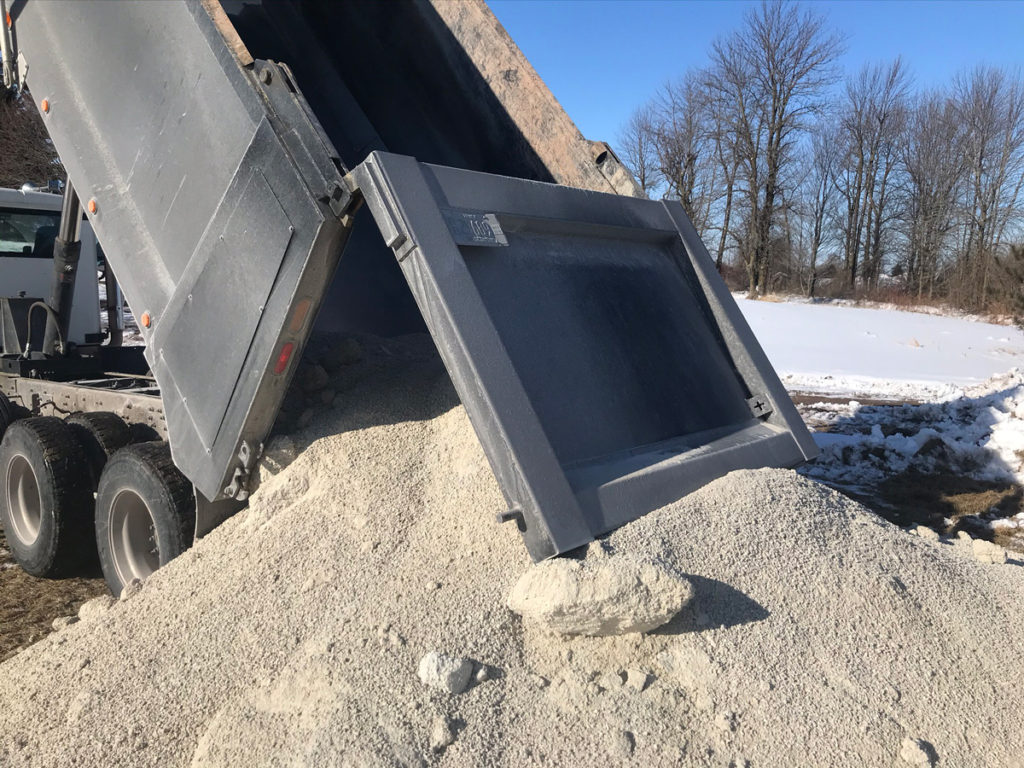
715, 604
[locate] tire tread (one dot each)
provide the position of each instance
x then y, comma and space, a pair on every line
151, 459
64, 467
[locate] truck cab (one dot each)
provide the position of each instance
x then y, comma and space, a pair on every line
28, 226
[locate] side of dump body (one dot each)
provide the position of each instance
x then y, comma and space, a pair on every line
218, 187
217, 199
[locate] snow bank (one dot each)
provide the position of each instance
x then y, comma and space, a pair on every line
978, 435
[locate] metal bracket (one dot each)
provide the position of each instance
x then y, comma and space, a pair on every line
514, 515
306, 142
237, 489
760, 406
392, 225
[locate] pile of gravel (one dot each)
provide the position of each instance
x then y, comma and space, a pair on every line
356, 615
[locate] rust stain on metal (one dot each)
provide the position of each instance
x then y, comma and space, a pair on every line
227, 31
570, 158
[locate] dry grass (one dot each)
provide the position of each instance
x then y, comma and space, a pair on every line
928, 499
29, 605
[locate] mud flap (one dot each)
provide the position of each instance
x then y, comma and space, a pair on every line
605, 367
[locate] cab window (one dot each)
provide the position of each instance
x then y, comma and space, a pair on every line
28, 234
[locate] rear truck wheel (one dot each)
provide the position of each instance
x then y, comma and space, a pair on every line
46, 502
145, 513
101, 434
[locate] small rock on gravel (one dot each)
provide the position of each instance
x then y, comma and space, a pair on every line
442, 734
95, 608
926, 533
621, 744
637, 679
725, 721
306, 418
916, 752
987, 552
64, 621
600, 595
611, 682
313, 377
347, 352
446, 673
131, 589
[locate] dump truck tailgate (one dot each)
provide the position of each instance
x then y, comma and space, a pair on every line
605, 367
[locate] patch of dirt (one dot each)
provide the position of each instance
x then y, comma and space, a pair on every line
809, 398
915, 498
29, 605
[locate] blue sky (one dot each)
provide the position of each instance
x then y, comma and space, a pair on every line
603, 58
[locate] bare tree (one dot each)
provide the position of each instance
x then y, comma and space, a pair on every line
990, 105
728, 158
773, 73
933, 162
798, 184
637, 148
26, 153
873, 124
821, 192
685, 147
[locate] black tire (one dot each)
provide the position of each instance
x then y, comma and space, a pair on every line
46, 502
6, 414
101, 434
145, 513
143, 433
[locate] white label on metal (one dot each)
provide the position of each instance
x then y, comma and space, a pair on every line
475, 228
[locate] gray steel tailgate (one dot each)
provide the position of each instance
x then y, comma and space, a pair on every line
604, 365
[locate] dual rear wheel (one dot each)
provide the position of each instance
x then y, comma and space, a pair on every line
141, 517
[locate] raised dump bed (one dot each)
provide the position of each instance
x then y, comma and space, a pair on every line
605, 367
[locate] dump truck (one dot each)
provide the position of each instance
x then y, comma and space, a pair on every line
258, 171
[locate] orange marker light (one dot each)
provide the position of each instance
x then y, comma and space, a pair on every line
45, 106
92, 206
146, 320
299, 315
10, 21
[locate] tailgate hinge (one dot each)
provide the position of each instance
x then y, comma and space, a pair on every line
238, 489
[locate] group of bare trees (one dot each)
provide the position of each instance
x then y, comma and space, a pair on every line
26, 153
813, 182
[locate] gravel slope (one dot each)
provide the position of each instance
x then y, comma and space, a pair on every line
819, 635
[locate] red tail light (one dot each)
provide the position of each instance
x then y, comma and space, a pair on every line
284, 357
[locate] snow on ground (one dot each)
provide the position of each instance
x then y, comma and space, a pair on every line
952, 397
887, 354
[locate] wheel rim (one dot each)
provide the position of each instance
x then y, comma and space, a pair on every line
132, 537
26, 505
